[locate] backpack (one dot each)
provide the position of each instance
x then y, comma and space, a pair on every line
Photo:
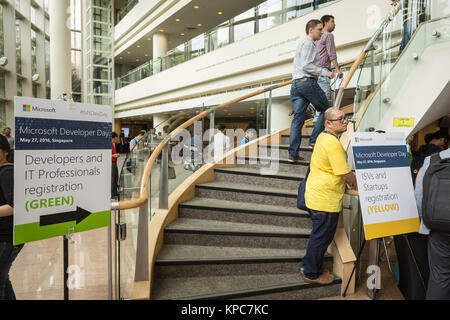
436, 191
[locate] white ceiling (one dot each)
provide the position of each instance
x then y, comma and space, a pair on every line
190, 18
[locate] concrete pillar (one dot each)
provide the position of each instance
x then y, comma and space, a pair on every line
158, 120
160, 45
60, 57
280, 118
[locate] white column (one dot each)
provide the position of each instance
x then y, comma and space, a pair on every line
160, 45
158, 120
60, 57
280, 118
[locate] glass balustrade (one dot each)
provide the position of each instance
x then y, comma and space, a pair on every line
267, 15
389, 76
187, 152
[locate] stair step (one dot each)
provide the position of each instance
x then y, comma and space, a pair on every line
234, 234
277, 286
245, 212
281, 151
247, 193
304, 143
256, 176
193, 261
273, 165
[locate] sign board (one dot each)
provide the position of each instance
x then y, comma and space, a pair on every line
62, 168
385, 184
403, 122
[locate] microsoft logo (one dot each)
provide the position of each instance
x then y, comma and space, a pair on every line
356, 139
26, 108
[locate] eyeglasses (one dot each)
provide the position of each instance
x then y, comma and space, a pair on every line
341, 120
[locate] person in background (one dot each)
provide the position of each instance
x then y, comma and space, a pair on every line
324, 193
114, 169
138, 151
249, 134
8, 252
221, 142
437, 141
10, 138
305, 90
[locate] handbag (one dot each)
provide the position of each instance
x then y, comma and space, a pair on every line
301, 204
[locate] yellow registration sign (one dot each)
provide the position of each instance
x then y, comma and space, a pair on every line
403, 122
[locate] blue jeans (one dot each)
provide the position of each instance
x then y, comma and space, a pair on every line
8, 254
304, 92
324, 84
323, 229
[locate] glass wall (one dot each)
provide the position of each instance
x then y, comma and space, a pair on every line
267, 15
76, 53
98, 51
33, 52
2, 41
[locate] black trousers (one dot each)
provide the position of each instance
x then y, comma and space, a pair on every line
439, 261
114, 179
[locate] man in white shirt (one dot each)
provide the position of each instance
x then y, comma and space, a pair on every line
221, 142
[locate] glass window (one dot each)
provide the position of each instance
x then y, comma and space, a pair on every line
244, 30
33, 52
198, 46
19, 86
2, 115
33, 15
75, 15
47, 63
35, 90
270, 13
18, 48
2, 45
2, 84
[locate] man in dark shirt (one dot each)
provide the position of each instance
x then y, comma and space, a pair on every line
8, 252
437, 142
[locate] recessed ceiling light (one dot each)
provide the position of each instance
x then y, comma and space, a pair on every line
220, 12
149, 39
121, 58
252, 108
138, 46
161, 30
137, 60
196, 7
129, 52
177, 20
146, 54
181, 34
199, 24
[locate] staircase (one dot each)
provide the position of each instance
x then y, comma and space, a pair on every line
242, 236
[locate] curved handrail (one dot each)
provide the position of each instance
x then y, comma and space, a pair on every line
134, 203
143, 195
364, 108
363, 53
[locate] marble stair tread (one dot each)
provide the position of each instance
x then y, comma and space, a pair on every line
267, 160
228, 287
192, 253
248, 188
214, 226
209, 203
284, 146
262, 173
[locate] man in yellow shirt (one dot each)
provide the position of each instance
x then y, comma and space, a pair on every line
325, 189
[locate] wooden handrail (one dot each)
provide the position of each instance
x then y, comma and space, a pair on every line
135, 203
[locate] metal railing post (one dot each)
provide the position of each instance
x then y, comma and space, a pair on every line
141, 271
164, 179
